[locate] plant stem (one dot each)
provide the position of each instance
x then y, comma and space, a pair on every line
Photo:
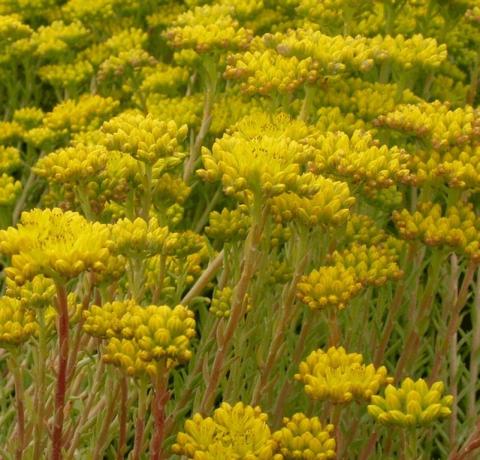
237, 310
122, 437
140, 423
39, 397
62, 307
159, 401
16, 371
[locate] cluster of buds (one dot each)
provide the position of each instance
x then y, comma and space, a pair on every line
238, 431
415, 403
373, 265
9, 189
456, 226
54, 243
305, 438
328, 287
35, 294
138, 238
85, 114
340, 377
329, 206
144, 137
71, 75
17, 324
266, 71
361, 158
229, 225
157, 334
207, 29
263, 165
435, 122
72, 164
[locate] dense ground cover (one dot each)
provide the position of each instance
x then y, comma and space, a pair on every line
239, 229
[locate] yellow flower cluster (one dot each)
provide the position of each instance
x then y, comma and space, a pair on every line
229, 224
456, 226
156, 334
332, 119
373, 265
17, 324
266, 71
35, 294
435, 122
328, 287
54, 243
339, 53
233, 432
9, 190
360, 158
28, 117
138, 238
262, 165
340, 377
208, 28
72, 164
304, 438
144, 137
9, 159
413, 404
66, 75
85, 114
329, 206
221, 302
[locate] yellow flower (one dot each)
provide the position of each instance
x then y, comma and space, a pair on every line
262, 164
415, 403
304, 438
17, 324
144, 137
9, 190
340, 377
236, 432
328, 287
34, 294
55, 244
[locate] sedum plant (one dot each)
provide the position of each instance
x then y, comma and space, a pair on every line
205, 203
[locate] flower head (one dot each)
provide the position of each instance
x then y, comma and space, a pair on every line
339, 376
234, 432
415, 403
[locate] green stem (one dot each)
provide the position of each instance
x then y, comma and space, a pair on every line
140, 423
16, 371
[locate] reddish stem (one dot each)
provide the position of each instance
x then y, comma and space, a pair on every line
62, 307
159, 402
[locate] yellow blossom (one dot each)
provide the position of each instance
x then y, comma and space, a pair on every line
340, 377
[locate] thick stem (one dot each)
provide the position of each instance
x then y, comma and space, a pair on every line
159, 402
62, 307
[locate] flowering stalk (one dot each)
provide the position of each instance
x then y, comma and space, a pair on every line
62, 306
140, 422
238, 305
159, 401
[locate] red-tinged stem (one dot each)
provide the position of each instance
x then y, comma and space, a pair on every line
369, 447
159, 402
122, 437
62, 307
